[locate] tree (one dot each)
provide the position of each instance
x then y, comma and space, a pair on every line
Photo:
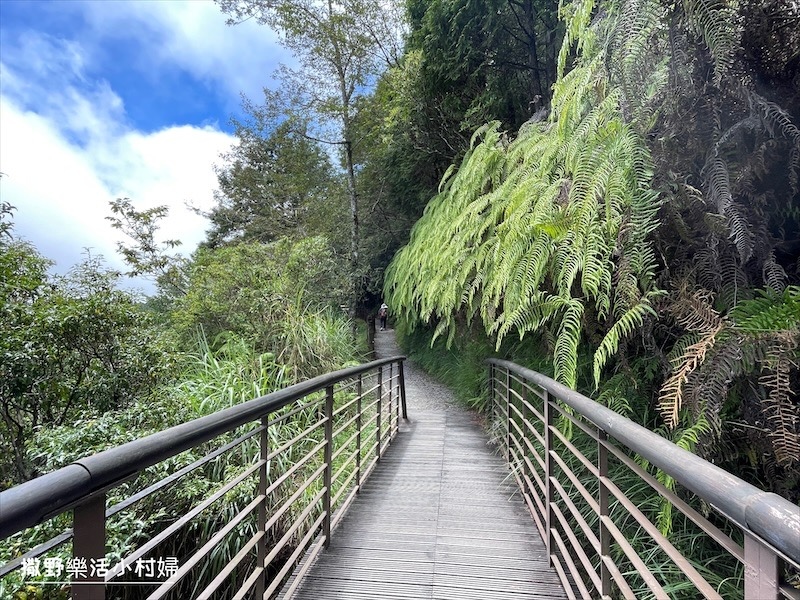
338, 58
69, 346
147, 256
274, 182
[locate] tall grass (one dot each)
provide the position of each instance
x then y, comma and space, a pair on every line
308, 343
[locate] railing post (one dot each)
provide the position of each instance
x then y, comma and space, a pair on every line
326, 499
602, 493
761, 570
263, 475
403, 390
397, 397
526, 417
89, 548
490, 408
378, 411
508, 416
391, 396
549, 473
359, 426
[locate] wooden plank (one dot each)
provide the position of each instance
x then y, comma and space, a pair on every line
441, 517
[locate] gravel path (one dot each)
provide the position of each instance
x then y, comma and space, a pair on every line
423, 392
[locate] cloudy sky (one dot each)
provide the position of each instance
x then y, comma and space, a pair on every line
108, 99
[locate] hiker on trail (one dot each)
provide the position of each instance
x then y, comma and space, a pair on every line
383, 312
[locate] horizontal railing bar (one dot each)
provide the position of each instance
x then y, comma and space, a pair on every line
573, 568
205, 549
343, 488
579, 423
565, 581
373, 433
368, 391
350, 459
230, 567
277, 514
769, 515
276, 549
587, 464
539, 438
345, 385
585, 561
183, 520
291, 470
372, 404
587, 530
633, 556
517, 412
301, 547
370, 466
789, 592
34, 501
312, 555
716, 534
342, 510
345, 445
344, 407
680, 561
576, 482
345, 425
297, 438
248, 583
178, 474
113, 510
54, 542
537, 512
311, 404
618, 577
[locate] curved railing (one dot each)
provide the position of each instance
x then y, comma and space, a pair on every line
298, 483
570, 455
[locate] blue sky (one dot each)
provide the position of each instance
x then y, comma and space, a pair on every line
129, 98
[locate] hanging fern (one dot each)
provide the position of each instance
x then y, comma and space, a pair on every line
531, 234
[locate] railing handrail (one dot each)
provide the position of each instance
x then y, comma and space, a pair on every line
34, 501
770, 516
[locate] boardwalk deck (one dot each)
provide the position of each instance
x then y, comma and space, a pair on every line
440, 517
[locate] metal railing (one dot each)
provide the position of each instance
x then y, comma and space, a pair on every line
291, 462
574, 461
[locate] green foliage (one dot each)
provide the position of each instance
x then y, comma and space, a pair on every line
69, 346
275, 183
209, 381
527, 235
276, 296
146, 256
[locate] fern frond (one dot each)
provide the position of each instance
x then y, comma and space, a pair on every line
566, 350
670, 398
623, 328
783, 415
774, 275
713, 21
694, 310
769, 312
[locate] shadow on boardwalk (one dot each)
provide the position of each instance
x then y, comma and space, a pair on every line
439, 518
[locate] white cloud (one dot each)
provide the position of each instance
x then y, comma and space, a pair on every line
62, 191
193, 35
67, 146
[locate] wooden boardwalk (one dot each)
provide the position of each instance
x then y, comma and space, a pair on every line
439, 518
